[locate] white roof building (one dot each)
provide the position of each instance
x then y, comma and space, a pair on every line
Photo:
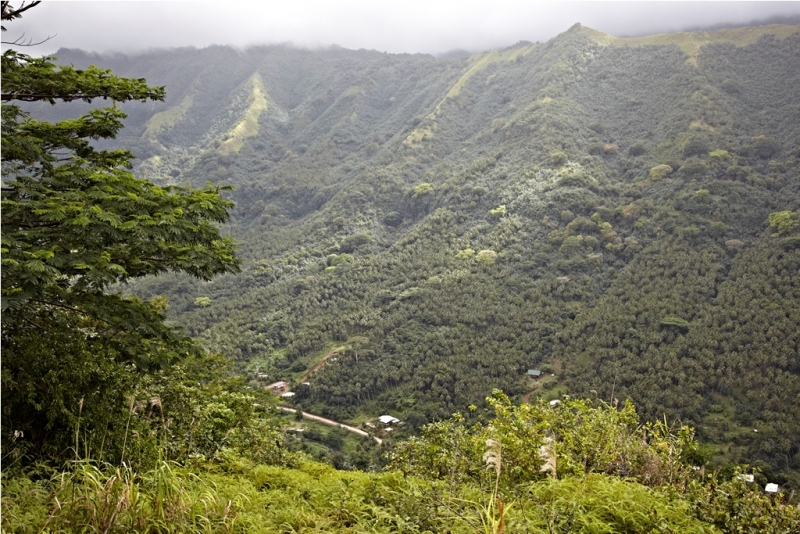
388, 420
288, 395
771, 488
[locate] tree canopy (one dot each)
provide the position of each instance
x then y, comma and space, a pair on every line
76, 221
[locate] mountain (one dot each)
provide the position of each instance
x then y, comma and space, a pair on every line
621, 214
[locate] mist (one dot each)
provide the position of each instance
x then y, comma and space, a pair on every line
412, 26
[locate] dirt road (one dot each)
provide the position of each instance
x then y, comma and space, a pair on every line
331, 422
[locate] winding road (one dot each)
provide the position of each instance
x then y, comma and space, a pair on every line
331, 422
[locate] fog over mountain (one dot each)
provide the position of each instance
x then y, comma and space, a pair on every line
414, 26
407, 267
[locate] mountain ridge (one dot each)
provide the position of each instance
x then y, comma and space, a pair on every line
598, 207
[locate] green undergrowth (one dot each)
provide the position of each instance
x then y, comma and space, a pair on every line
532, 468
317, 498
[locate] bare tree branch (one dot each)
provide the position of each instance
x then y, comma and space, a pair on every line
11, 13
20, 41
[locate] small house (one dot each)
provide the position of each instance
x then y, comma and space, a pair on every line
534, 373
554, 403
771, 488
388, 420
277, 385
288, 395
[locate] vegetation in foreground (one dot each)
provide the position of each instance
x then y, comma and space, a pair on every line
532, 468
115, 422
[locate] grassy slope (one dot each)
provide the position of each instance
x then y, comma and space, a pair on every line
316, 498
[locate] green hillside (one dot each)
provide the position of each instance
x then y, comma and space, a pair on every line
620, 213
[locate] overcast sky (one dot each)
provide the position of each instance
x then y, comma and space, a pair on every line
430, 26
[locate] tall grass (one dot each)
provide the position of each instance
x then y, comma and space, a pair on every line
169, 498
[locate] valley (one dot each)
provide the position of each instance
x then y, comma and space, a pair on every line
623, 210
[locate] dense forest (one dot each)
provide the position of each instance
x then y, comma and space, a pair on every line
620, 212
412, 235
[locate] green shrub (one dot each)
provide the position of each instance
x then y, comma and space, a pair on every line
486, 257
737, 172
719, 155
596, 149
465, 254
696, 147
499, 211
597, 128
393, 219
576, 179
694, 169
571, 245
732, 87
581, 224
202, 302
422, 190
782, 222
660, 171
636, 150
341, 259
765, 147
557, 159
351, 243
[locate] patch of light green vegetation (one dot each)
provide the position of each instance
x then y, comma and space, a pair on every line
248, 127
692, 42
353, 91
167, 118
476, 63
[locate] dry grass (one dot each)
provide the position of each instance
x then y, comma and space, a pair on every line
167, 118
248, 127
692, 42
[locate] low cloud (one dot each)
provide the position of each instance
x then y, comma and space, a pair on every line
411, 26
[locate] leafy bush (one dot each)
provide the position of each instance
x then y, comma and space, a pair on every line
499, 211
696, 147
660, 171
486, 257
202, 302
341, 259
731, 86
422, 190
694, 169
596, 149
765, 147
596, 127
351, 243
557, 159
636, 150
719, 155
393, 218
783, 222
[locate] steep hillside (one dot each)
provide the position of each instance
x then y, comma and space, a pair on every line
621, 213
